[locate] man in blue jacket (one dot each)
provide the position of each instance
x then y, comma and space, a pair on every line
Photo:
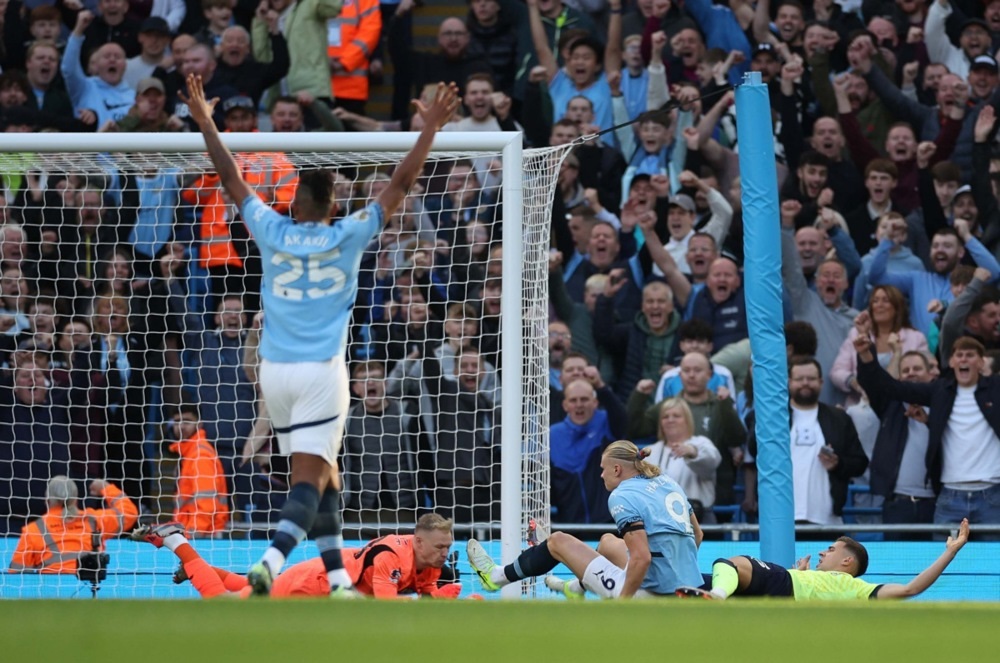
576, 445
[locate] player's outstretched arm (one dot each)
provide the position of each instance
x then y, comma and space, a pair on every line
225, 165
639, 559
929, 575
435, 116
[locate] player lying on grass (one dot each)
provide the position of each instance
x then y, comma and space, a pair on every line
661, 537
384, 568
835, 578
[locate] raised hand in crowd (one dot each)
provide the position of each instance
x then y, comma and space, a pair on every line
592, 375
83, 21
863, 340
501, 105
686, 96
984, 124
692, 138
860, 54
791, 75
658, 41
962, 228
630, 216
616, 281
925, 152
593, 200
555, 259
825, 198
660, 184
614, 78
646, 387
790, 209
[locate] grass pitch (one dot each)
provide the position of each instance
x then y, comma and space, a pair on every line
478, 632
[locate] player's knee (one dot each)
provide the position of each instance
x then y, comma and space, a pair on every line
607, 540
558, 541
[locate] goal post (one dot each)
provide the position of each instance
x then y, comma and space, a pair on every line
526, 179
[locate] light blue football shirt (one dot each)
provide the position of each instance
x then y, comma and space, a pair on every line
662, 507
310, 279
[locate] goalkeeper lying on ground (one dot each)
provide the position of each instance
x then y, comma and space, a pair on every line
384, 568
835, 577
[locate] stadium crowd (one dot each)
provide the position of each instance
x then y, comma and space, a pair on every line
129, 317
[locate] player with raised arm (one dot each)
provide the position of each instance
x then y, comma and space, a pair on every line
384, 568
835, 578
309, 287
652, 513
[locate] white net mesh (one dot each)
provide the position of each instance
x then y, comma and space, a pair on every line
130, 288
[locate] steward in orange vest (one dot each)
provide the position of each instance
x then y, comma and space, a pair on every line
201, 504
54, 542
351, 38
271, 175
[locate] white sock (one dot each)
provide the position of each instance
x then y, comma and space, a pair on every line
498, 577
718, 593
575, 587
274, 559
172, 541
339, 578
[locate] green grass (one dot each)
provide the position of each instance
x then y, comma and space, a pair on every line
478, 632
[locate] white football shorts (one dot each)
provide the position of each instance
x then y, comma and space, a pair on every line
307, 403
606, 580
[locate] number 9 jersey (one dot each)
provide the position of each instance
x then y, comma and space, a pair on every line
310, 279
662, 507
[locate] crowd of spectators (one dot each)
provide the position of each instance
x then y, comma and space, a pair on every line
129, 295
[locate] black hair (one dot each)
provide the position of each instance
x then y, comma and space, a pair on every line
187, 407
802, 337
695, 329
318, 183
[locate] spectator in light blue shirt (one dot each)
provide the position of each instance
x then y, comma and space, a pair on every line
104, 95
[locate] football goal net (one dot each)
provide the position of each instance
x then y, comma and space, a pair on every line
130, 319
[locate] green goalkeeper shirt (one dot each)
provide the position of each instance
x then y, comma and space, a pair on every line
830, 586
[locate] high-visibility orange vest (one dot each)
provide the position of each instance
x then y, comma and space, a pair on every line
54, 543
217, 248
360, 24
271, 175
201, 486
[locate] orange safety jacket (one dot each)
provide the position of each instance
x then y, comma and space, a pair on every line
360, 23
271, 175
216, 246
53, 543
201, 486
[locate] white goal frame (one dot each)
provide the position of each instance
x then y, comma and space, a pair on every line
509, 144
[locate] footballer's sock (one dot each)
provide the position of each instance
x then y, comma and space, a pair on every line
173, 541
533, 562
297, 518
574, 586
202, 576
725, 578
329, 539
329, 551
185, 552
233, 582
